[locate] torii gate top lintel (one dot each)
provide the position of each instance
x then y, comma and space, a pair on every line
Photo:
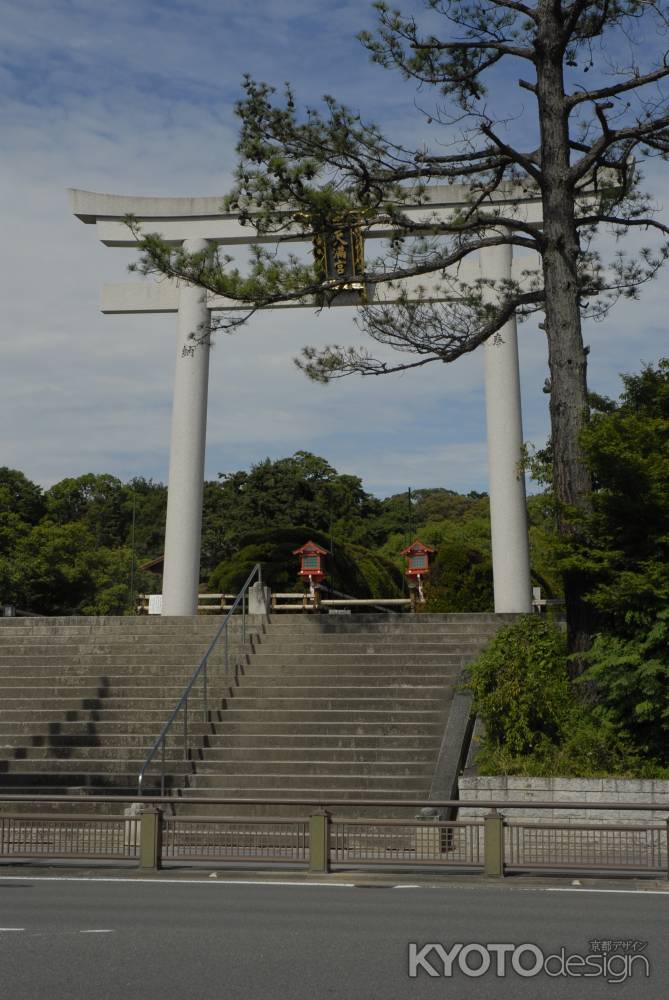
179, 219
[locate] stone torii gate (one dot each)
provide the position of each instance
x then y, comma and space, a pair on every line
196, 223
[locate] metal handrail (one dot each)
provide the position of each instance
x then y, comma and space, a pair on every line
201, 669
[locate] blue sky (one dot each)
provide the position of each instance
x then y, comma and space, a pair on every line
137, 97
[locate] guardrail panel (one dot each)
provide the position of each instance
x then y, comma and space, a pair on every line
235, 839
59, 836
454, 844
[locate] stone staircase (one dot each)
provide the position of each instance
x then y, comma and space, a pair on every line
331, 707
83, 699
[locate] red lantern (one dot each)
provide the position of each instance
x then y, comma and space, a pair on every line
418, 558
418, 565
311, 562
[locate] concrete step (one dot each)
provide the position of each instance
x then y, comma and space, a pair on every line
407, 689
301, 743
368, 644
104, 766
447, 666
307, 784
251, 679
112, 752
173, 674
312, 704
58, 705
103, 729
204, 773
309, 768
288, 620
39, 691
68, 634
322, 715
94, 661
188, 650
346, 627
383, 751
320, 792
361, 660
259, 756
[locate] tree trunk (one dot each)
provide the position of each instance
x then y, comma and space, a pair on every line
566, 356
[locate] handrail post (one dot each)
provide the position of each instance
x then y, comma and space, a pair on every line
319, 841
243, 619
150, 838
204, 692
186, 729
162, 770
493, 844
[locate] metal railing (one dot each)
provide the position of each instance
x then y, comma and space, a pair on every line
104, 838
200, 673
584, 846
493, 845
198, 838
412, 842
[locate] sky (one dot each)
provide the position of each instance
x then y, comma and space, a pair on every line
137, 97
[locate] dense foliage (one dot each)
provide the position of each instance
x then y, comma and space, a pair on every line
352, 569
619, 715
535, 721
627, 557
78, 546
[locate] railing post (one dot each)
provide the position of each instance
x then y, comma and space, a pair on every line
319, 842
150, 838
493, 845
668, 847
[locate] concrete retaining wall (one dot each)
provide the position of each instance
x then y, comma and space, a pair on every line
565, 790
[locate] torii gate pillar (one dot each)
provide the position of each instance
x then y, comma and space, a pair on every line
506, 478
183, 526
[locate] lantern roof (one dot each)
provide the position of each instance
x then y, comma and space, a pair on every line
310, 548
417, 548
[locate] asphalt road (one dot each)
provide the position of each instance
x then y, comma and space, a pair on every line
208, 940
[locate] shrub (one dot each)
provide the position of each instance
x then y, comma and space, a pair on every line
520, 685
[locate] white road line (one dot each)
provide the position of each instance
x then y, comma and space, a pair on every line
173, 881
99, 930
11, 930
620, 892
406, 887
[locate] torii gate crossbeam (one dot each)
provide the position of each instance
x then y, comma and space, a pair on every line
196, 223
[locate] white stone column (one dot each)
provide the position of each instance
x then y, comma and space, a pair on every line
183, 529
508, 509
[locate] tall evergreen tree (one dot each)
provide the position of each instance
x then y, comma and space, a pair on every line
299, 171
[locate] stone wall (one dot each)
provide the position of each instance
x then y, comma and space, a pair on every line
565, 790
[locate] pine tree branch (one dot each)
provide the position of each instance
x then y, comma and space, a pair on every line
637, 133
520, 158
504, 48
573, 100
